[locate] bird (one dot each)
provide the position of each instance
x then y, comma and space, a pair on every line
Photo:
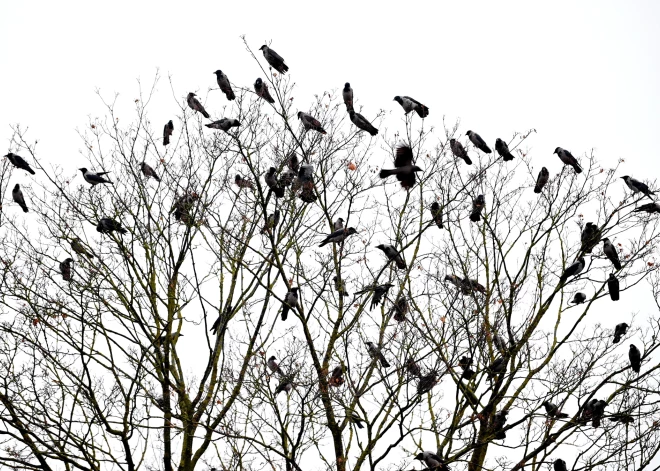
464, 362
290, 302
392, 254
286, 178
225, 86
292, 162
272, 183
261, 90
597, 411
638, 187
376, 354
568, 159
338, 236
478, 205
496, 367
336, 377
650, 208
196, 105
77, 247
271, 222
355, 419
65, 269
19, 162
459, 151
611, 253
108, 225
613, 287
590, 237
413, 368
468, 374
285, 386
502, 148
478, 142
499, 420
362, 123
273, 366
622, 417
579, 298
436, 213
306, 181
399, 309
243, 182
499, 343
635, 357
340, 286
573, 269
405, 169
220, 324
167, 132
224, 124
148, 171
454, 280
310, 122
338, 224
94, 178
274, 59
426, 383
379, 292
432, 461
347, 94
559, 465
19, 199
541, 180
619, 331
553, 410
183, 207
410, 104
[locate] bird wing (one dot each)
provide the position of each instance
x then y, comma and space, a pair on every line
404, 157
413, 100
275, 56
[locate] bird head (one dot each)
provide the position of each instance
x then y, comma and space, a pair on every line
381, 246
398, 99
340, 220
83, 170
10, 155
420, 456
271, 171
557, 150
68, 260
218, 72
451, 141
300, 114
605, 239
625, 178
295, 290
468, 133
369, 344
498, 141
351, 230
347, 86
263, 48
334, 278
272, 358
581, 260
16, 187
258, 82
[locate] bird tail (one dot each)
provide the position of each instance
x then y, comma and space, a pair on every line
487, 150
206, 114
373, 131
577, 168
230, 95
285, 311
617, 264
24, 207
636, 368
401, 264
386, 173
30, 170
616, 339
358, 424
279, 192
561, 415
166, 140
475, 216
508, 156
322, 131
422, 111
537, 189
468, 160
323, 243
384, 362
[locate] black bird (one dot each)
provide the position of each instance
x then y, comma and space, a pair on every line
376, 354
622, 417
579, 298
65, 269
355, 419
638, 187
340, 287
541, 180
478, 142
94, 178
337, 376
286, 178
432, 461
77, 247
459, 151
478, 205
271, 222
306, 181
274, 59
405, 169
148, 171
347, 94
286, 385
225, 86
18, 162
224, 124
590, 237
573, 269
338, 236
635, 357
379, 292
619, 331
243, 182
261, 89
292, 162
496, 367
469, 286
310, 122
167, 132
559, 465
598, 410
499, 420
410, 104
272, 183
613, 287
436, 213
502, 148
568, 159
399, 309
290, 302
611, 253
392, 254
426, 383
650, 208
468, 374
553, 411
108, 225
183, 208
464, 362
413, 368
19, 199
196, 105
273, 366
362, 123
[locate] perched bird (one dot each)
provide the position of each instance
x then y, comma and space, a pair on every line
613, 287
19, 162
347, 94
650, 208
261, 89
273, 366
468, 374
65, 269
432, 461
553, 411
224, 124
220, 324
579, 298
310, 122
94, 178
568, 159
243, 182
225, 86
478, 205
272, 183
410, 104
496, 367
399, 309
499, 420
286, 385
611, 253
274, 59
478, 142
413, 368
635, 357
464, 362
183, 208
436, 214
355, 419
590, 237
271, 222
392, 254
362, 123
148, 171
338, 236
541, 180
426, 383
573, 269
499, 343
559, 465
593, 410
622, 417
405, 169
167, 132
502, 148
454, 280
196, 105
286, 178
379, 292
19, 199
290, 302
459, 151
337, 376
338, 224
638, 187
469, 286
77, 247
376, 354
306, 181
292, 162
340, 287
619, 331
108, 225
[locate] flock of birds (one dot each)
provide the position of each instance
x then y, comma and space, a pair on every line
300, 177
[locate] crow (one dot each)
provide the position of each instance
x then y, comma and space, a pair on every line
478, 205
274, 59
499, 420
553, 411
224, 124
573, 269
619, 331
19, 162
502, 148
338, 224
225, 86
379, 293
355, 419
19, 199
579, 298
590, 237
77, 247
94, 178
622, 417
261, 89
167, 132
310, 122
65, 269
272, 183
650, 208
148, 171
611, 253
613, 287
196, 105
363, 123
413, 368
635, 357
340, 286
568, 159
290, 302
273, 366
496, 367
432, 461
410, 104
399, 309
243, 182
376, 354
337, 377
559, 465
541, 180
108, 225
392, 254
286, 385
436, 213
426, 383
459, 151
638, 187
347, 94
405, 169
478, 142
338, 236
271, 222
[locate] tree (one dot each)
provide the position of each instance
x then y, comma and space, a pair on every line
155, 354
